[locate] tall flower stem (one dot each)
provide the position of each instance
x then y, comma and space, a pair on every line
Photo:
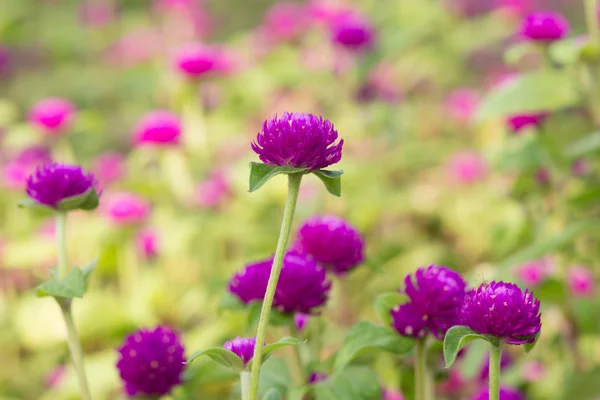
65, 307
284, 236
245, 382
495, 357
421, 392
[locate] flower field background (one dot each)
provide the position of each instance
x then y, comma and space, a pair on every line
470, 140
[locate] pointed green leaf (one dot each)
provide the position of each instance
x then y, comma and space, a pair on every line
87, 271
260, 173
72, 286
272, 394
588, 144
456, 338
30, 203
385, 302
352, 383
222, 356
85, 201
283, 342
529, 346
366, 336
332, 180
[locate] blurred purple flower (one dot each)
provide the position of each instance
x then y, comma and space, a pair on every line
316, 377
109, 168
300, 321
506, 393
533, 273
197, 60
519, 122
16, 171
284, 20
454, 385
467, 167
462, 103
124, 208
212, 191
158, 128
352, 30
502, 310
51, 183
298, 140
544, 26
151, 362
542, 176
52, 115
147, 243
332, 242
581, 281
5, 60
242, 347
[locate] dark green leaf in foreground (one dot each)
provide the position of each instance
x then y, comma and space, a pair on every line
456, 338
270, 348
352, 383
222, 356
332, 180
529, 346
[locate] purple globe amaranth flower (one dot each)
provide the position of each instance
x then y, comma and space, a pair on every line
408, 320
332, 242
504, 311
316, 377
519, 122
159, 128
506, 393
436, 294
302, 285
242, 347
351, 30
53, 183
151, 362
300, 321
544, 26
298, 140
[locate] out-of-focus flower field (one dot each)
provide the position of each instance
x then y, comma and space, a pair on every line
465, 145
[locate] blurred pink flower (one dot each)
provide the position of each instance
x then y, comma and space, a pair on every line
284, 20
212, 191
352, 30
147, 243
159, 128
5, 60
521, 121
391, 394
516, 7
322, 11
533, 273
462, 103
544, 26
135, 47
197, 60
581, 281
97, 13
16, 171
52, 115
109, 167
124, 208
56, 377
532, 371
467, 167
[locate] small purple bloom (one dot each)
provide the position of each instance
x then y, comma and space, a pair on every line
352, 31
298, 140
521, 121
542, 176
197, 60
301, 320
52, 183
408, 321
147, 243
332, 242
502, 310
159, 128
581, 281
151, 362
544, 26
242, 347
316, 377
506, 393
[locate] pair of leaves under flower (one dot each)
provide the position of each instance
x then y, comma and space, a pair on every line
87, 201
261, 173
231, 360
74, 284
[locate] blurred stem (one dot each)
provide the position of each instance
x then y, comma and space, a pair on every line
298, 356
65, 306
495, 357
421, 392
591, 18
284, 236
245, 382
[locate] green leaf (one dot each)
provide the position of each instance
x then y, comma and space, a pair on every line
366, 336
565, 52
529, 346
517, 51
229, 301
87, 271
283, 342
73, 285
86, 201
332, 180
456, 338
384, 304
551, 291
540, 91
260, 173
582, 385
588, 144
30, 203
352, 383
272, 394
222, 356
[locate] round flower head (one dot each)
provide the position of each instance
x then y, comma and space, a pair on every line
391, 394
298, 140
52, 115
436, 293
332, 242
196, 60
52, 183
352, 31
250, 284
544, 26
504, 311
242, 347
533, 273
151, 362
212, 191
506, 393
126, 208
462, 103
158, 128
519, 122
408, 320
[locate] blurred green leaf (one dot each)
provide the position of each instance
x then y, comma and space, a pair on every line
283, 342
229, 301
384, 304
588, 144
352, 383
582, 385
222, 356
260, 173
87, 271
517, 51
332, 181
456, 338
529, 346
87, 201
73, 285
551, 291
275, 317
29, 203
272, 394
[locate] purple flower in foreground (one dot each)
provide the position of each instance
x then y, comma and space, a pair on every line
332, 242
506, 393
151, 362
52, 183
298, 140
242, 347
502, 310
545, 26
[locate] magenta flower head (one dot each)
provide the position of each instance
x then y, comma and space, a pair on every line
436, 294
242, 347
519, 122
544, 26
506, 393
63, 187
124, 208
147, 243
504, 311
159, 128
52, 115
197, 60
533, 273
298, 140
332, 242
352, 31
151, 362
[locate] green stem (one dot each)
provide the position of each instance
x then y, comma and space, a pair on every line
421, 370
245, 382
591, 17
298, 357
284, 236
495, 357
65, 306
